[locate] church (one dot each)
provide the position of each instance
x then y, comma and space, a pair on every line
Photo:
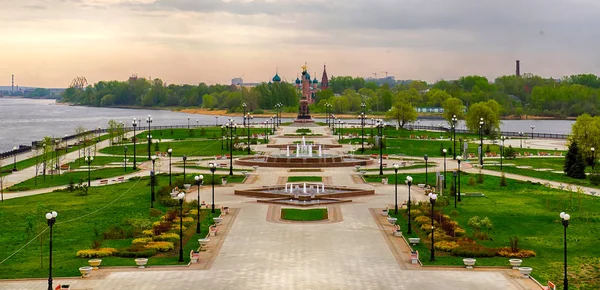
307, 87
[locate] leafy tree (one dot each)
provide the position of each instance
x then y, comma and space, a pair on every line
403, 113
489, 111
453, 107
586, 133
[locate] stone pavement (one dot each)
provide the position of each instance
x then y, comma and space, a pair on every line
259, 254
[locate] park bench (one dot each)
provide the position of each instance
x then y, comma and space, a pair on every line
104, 182
65, 167
471, 155
551, 286
214, 230
121, 179
227, 156
557, 154
374, 156
385, 156
414, 257
217, 157
421, 185
396, 231
194, 256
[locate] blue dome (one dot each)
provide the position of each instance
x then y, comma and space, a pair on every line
298, 81
307, 76
315, 81
276, 78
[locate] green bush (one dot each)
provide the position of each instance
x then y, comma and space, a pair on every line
594, 177
135, 253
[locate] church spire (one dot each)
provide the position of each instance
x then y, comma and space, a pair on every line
324, 79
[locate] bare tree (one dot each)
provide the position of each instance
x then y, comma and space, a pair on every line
2, 179
81, 136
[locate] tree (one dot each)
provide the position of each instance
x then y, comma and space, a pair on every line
586, 133
403, 113
574, 165
452, 107
113, 131
489, 111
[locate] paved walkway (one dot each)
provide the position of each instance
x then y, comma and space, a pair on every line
258, 254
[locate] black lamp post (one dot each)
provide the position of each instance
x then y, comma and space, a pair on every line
222, 137
134, 124
149, 121
454, 173
565, 221
180, 197
188, 123
213, 167
481, 141
66, 144
444, 153
593, 157
458, 158
532, 127
266, 130
170, 152
409, 183
502, 138
15, 158
454, 120
372, 125
244, 107
51, 217
521, 139
199, 179
380, 126
248, 128
362, 126
125, 160
231, 126
88, 159
426, 171
396, 166
152, 179
327, 113
184, 159
217, 120
432, 199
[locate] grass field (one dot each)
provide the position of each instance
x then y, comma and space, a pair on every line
80, 221
180, 148
529, 212
305, 178
313, 214
194, 133
66, 178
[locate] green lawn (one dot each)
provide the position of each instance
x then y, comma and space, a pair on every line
66, 178
80, 221
193, 133
558, 177
314, 214
180, 148
305, 178
531, 213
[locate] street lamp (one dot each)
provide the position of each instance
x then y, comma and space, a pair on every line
432, 199
244, 107
380, 126
184, 159
134, 123
232, 127
458, 158
212, 168
327, 113
149, 121
593, 158
88, 159
502, 138
396, 166
266, 130
454, 120
188, 123
481, 141
152, 179
248, 128
444, 153
180, 197
217, 120
15, 158
409, 183
125, 159
454, 173
362, 125
565, 221
199, 179
521, 139
426, 158
51, 217
170, 152
532, 127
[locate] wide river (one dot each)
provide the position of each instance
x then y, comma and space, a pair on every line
25, 120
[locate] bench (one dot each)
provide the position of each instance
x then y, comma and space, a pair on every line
421, 185
550, 286
65, 167
121, 179
414, 257
374, 156
214, 230
194, 256
104, 182
396, 231
227, 156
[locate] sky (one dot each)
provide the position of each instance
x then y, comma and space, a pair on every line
47, 43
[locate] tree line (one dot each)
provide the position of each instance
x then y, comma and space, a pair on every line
517, 96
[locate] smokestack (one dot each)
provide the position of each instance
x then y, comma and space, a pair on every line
518, 73
12, 87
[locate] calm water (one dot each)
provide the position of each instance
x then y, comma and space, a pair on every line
23, 120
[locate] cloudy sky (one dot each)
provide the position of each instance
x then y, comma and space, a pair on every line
49, 42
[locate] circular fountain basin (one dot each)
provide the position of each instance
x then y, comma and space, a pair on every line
281, 160
301, 196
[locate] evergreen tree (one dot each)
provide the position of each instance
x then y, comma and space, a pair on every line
578, 169
571, 157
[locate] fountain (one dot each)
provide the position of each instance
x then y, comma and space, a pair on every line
303, 193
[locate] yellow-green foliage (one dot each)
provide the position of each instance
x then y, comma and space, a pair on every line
176, 227
160, 246
506, 252
171, 237
142, 240
157, 223
439, 234
423, 220
459, 232
148, 233
185, 220
102, 252
416, 213
193, 212
446, 246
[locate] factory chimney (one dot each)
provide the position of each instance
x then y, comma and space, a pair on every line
518, 73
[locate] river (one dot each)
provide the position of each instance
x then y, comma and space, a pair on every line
26, 120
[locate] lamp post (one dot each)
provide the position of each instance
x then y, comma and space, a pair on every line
134, 123
188, 123
213, 167
593, 157
372, 125
501, 151
180, 197
125, 159
327, 113
380, 126
409, 183
432, 199
152, 178
426, 171
454, 173
362, 125
217, 120
454, 120
197, 123
149, 121
248, 129
222, 137
199, 179
170, 152
481, 141
458, 158
51, 217
266, 130
66, 144
15, 158
565, 222
532, 127
396, 166
444, 153
184, 159
244, 107
231, 126
521, 139
88, 159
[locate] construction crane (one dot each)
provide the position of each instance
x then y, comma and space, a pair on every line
375, 74
386, 73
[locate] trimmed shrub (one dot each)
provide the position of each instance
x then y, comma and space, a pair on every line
423, 220
160, 246
507, 252
169, 237
446, 246
136, 253
142, 241
148, 233
99, 253
473, 250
